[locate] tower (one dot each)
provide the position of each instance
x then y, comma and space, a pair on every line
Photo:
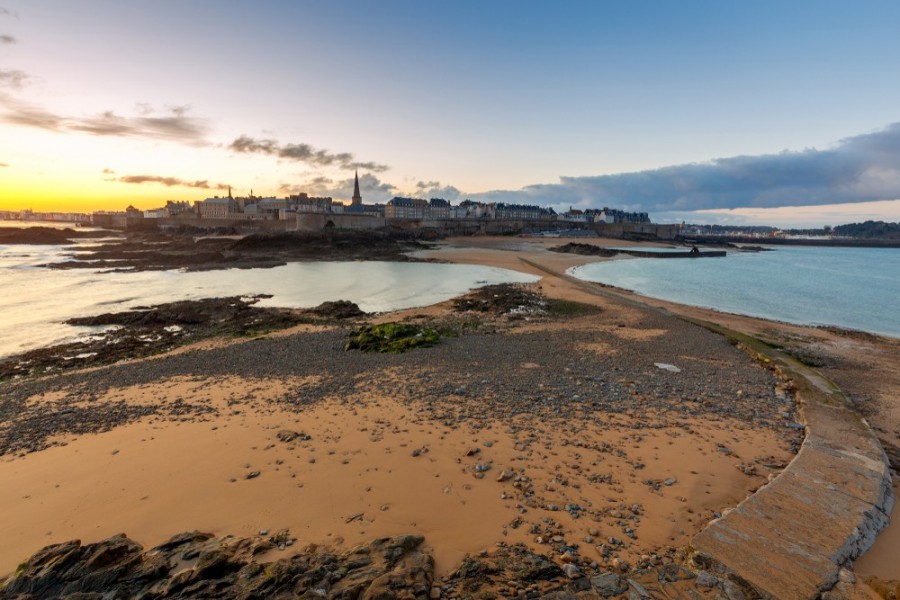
357, 199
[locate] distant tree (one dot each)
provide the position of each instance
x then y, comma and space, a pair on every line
878, 230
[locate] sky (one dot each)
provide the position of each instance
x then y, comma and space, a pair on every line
782, 113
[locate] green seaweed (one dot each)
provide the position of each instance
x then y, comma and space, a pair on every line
394, 338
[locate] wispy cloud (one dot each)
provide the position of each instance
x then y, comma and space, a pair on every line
174, 126
6, 12
3, 164
170, 181
5, 38
302, 153
857, 169
12, 78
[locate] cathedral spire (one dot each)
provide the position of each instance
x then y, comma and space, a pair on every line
357, 199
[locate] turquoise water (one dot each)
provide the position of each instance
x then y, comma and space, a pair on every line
856, 288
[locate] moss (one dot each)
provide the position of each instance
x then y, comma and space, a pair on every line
568, 308
392, 337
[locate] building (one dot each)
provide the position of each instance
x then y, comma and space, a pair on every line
218, 208
356, 201
523, 212
407, 208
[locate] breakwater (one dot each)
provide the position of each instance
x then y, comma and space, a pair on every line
685, 254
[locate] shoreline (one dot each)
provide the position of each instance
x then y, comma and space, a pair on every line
861, 363
498, 255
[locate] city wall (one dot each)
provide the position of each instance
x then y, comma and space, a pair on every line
449, 227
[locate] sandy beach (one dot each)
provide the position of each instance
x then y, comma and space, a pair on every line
619, 431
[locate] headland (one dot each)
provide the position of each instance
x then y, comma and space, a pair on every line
581, 432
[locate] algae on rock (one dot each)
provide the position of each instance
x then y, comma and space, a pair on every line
392, 337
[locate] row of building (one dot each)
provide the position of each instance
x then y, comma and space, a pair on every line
252, 208
298, 207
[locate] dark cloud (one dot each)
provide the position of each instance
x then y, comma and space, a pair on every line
857, 169
7, 39
170, 181
176, 126
12, 78
302, 153
6, 11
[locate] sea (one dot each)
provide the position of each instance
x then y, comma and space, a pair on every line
853, 288
35, 301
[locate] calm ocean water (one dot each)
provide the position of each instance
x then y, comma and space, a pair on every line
856, 288
35, 301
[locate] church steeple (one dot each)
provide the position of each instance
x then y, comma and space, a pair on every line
357, 199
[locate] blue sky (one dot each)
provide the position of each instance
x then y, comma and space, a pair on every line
667, 107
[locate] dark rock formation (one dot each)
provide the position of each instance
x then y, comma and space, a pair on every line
584, 250
43, 235
340, 309
198, 565
160, 251
150, 330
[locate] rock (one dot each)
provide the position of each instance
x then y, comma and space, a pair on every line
733, 591
224, 568
706, 579
252, 475
339, 309
506, 476
608, 585
639, 590
572, 571
287, 436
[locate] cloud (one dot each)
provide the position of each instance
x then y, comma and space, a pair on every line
302, 153
176, 126
170, 181
7, 39
372, 189
857, 169
3, 164
6, 11
12, 78
434, 189
108, 171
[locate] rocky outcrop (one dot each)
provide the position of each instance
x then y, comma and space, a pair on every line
44, 235
584, 250
198, 565
152, 330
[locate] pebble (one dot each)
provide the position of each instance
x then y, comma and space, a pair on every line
571, 571
252, 474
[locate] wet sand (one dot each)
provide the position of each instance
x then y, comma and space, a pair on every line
865, 366
416, 443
